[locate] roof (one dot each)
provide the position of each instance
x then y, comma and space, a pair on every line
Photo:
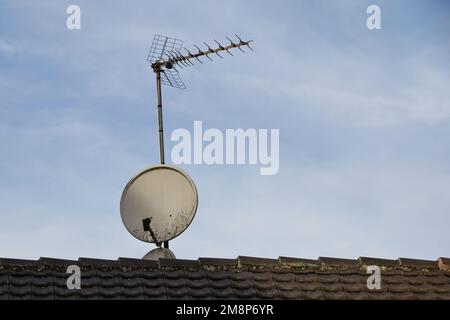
210, 278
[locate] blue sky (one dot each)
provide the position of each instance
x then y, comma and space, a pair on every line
364, 119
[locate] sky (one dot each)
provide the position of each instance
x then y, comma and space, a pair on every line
364, 120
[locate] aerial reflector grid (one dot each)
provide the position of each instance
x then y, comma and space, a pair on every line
164, 48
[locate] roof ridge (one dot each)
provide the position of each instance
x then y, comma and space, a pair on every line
243, 262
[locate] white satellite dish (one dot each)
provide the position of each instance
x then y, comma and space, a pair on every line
158, 204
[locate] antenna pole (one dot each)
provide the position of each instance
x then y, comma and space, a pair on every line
160, 116
160, 125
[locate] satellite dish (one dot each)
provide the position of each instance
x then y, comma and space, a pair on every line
158, 204
159, 253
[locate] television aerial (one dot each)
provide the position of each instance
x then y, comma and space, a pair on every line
160, 202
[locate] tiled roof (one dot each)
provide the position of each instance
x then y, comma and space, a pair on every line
241, 278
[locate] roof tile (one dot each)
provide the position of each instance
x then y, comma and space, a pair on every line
315, 295
338, 295
380, 295
220, 284
416, 263
217, 262
377, 261
240, 276
399, 288
44, 281
393, 279
287, 286
156, 292
173, 274
63, 292
440, 280
333, 287
265, 285
429, 296
262, 276
198, 293
307, 278
155, 273
89, 282
338, 261
244, 293
308, 287
226, 293
354, 278
180, 292
284, 277
110, 292
138, 263
168, 263
405, 296
358, 296
241, 285
156, 282
215, 276
196, 274
329, 279
137, 292
17, 262
355, 287
56, 262
443, 289
255, 262
202, 283
419, 288
130, 283
175, 283
416, 280
444, 263
289, 295
435, 273
90, 262
271, 293
299, 262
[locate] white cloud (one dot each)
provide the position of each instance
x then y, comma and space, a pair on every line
6, 48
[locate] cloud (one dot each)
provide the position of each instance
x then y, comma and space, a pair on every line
6, 48
357, 89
